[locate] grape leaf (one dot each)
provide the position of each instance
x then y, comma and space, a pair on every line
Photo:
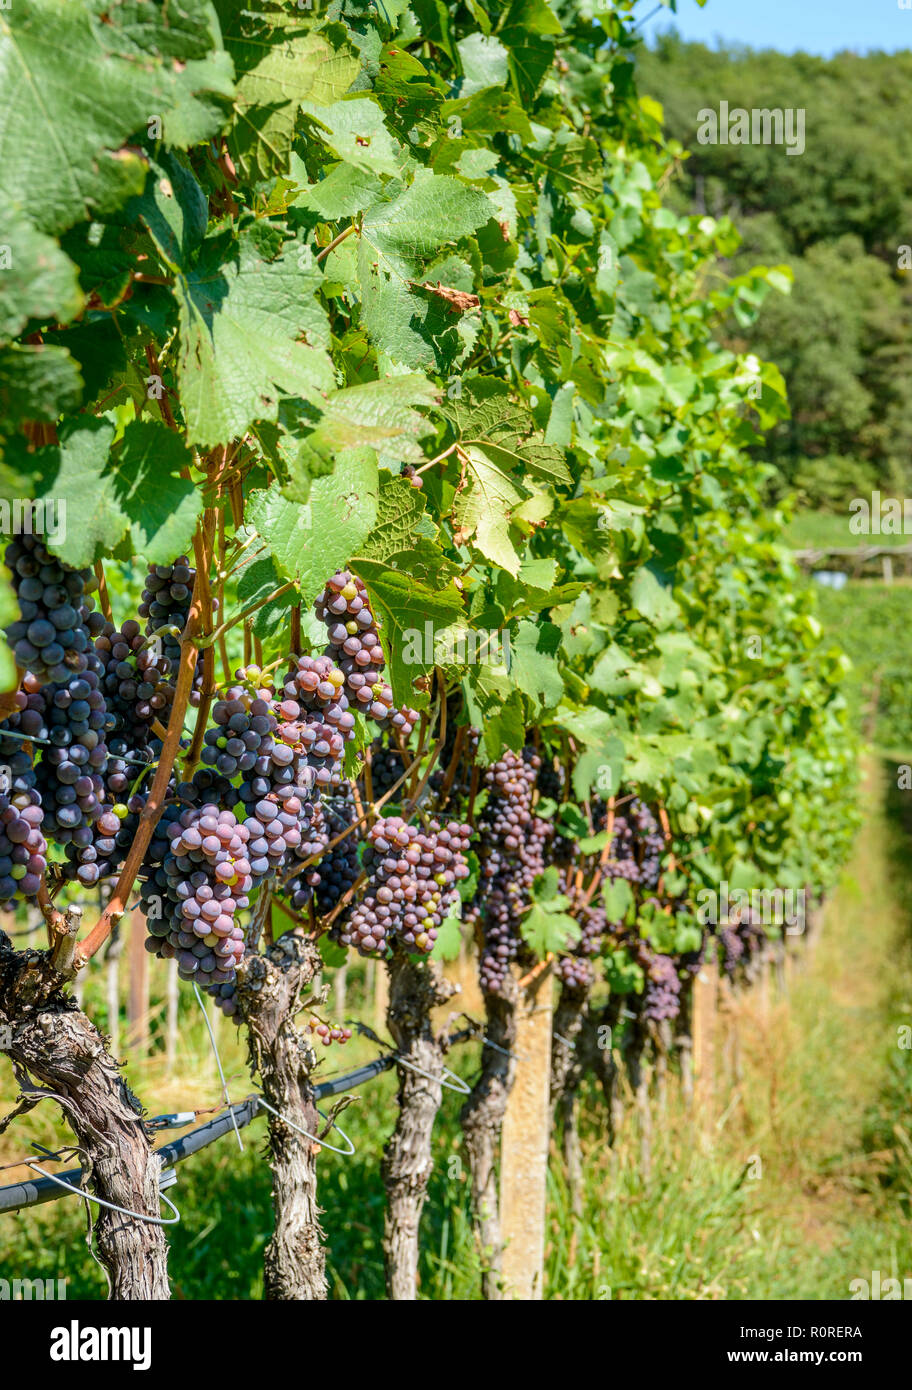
37, 281
378, 414
482, 509
652, 598
533, 663
140, 493
281, 61
311, 540
37, 382
61, 147
526, 32
241, 321
354, 129
403, 606
161, 506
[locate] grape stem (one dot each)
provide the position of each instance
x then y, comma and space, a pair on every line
537, 970
155, 802
56, 922
104, 598
415, 796
245, 613
205, 597
336, 241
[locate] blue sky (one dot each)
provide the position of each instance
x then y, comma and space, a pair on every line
817, 26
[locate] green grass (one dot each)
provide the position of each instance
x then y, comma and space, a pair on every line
825, 530
873, 625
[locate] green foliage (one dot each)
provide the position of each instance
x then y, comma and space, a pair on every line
383, 236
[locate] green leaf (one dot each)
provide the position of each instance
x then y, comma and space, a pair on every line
343, 192
162, 507
241, 321
526, 30
137, 491
257, 579
36, 279
533, 662
377, 414
61, 141
652, 598
548, 932
482, 510
434, 211
37, 383
310, 540
484, 63
617, 895
449, 937
281, 62
403, 606
354, 129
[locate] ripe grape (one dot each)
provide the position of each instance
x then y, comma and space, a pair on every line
51, 636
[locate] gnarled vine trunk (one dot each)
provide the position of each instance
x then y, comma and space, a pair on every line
56, 1047
415, 989
269, 994
482, 1120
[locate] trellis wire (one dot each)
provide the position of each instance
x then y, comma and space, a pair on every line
31, 1193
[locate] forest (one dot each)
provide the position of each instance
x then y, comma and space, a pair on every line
839, 219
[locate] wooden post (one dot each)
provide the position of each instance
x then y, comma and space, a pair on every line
381, 996
340, 990
763, 983
888, 569
705, 998
112, 984
171, 1024
524, 1146
138, 1001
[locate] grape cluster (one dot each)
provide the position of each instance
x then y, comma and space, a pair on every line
334, 870
742, 939
316, 708
299, 889
461, 785
662, 993
135, 683
552, 779
192, 899
353, 638
386, 767
23, 851
166, 605
70, 770
575, 968
50, 637
339, 868
732, 949
637, 844
326, 1032
242, 731
411, 888
512, 841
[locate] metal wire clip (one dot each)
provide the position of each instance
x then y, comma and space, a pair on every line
346, 1153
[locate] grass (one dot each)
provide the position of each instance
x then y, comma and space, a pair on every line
873, 624
819, 1111
826, 530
